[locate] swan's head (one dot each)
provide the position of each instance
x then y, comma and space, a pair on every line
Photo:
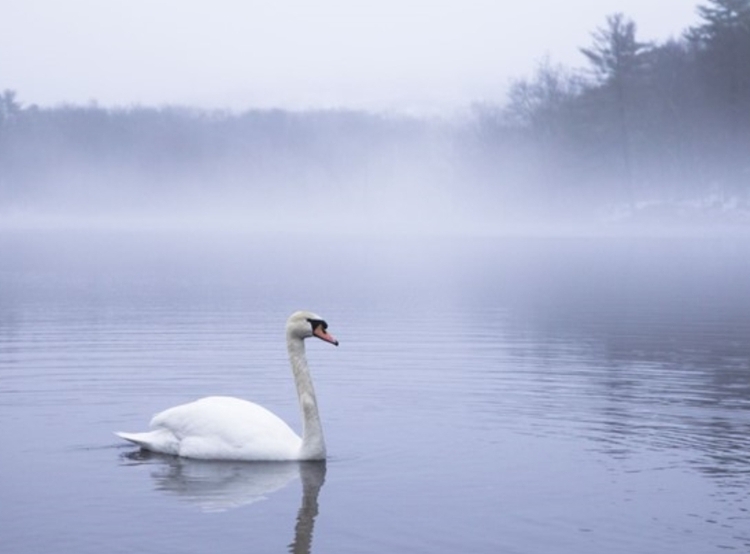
303, 325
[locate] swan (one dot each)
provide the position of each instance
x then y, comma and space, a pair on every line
226, 428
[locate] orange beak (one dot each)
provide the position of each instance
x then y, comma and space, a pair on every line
324, 335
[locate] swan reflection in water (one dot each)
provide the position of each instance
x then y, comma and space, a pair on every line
219, 486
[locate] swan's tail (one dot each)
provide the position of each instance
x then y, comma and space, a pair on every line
160, 440
141, 439
137, 438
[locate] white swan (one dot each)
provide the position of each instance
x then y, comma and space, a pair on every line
225, 428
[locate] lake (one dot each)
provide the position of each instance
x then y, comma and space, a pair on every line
488, 395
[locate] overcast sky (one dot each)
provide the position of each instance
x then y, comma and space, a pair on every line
382, 54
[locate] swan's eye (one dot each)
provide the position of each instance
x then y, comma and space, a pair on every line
318, 323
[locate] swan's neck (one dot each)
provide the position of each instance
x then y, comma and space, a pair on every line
313, 445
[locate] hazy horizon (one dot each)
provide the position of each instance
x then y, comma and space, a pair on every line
412, 57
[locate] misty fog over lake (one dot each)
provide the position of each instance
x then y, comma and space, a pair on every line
650, 138
542, 305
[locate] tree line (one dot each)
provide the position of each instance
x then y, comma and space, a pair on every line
647, 121
645, 124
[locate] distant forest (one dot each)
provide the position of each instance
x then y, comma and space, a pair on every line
646, 132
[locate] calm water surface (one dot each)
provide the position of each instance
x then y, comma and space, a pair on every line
520, 396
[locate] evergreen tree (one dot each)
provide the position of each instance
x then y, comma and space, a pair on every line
615, 53
723, 46
9, 106
616, 57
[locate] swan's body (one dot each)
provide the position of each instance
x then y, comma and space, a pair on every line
226, 428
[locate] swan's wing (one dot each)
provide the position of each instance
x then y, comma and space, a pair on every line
219, 427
